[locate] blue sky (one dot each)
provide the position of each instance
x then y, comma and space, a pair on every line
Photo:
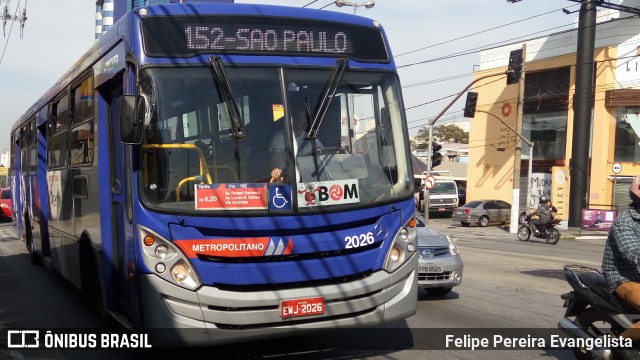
57, 33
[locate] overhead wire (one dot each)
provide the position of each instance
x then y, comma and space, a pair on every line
477, 33
314, 1
6, 43
440, 99
329, 4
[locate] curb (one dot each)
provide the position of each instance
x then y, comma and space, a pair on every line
591, 238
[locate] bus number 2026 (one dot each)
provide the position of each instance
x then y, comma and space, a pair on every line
359, 240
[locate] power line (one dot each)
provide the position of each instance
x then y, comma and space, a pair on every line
314, 1
477, 33
492, 45
6, 43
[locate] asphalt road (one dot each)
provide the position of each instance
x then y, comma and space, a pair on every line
508, 286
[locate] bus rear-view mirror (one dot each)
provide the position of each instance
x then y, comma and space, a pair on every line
131, 119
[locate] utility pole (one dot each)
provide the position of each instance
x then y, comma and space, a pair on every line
515, 193
583, 110
5, 16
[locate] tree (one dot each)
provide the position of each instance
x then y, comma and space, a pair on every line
422, 138
450, 133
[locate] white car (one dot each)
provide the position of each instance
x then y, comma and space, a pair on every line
440, 265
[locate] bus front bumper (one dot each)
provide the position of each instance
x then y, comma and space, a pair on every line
175, 316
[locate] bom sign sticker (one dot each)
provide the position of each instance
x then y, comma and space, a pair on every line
324, 193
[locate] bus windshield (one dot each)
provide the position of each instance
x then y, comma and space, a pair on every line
359, 151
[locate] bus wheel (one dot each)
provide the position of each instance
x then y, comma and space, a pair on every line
34, 257
92, 288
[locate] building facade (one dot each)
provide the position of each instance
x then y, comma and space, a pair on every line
109, 11
547, 119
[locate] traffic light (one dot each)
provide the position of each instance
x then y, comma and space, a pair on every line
470, 105
515, 65
436, 156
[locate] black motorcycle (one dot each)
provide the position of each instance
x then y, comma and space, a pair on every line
592, 312
549, 233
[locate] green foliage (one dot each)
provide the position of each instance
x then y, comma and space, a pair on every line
450, 133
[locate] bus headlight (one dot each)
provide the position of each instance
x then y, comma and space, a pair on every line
160, 254
403, 246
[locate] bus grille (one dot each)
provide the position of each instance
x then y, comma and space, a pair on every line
293, 322
294, 285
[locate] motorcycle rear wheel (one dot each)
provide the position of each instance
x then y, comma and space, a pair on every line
524, 233
597, 326
553, 236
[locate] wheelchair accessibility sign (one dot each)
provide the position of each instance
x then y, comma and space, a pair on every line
279, 197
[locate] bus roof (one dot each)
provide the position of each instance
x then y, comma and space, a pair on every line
131, 20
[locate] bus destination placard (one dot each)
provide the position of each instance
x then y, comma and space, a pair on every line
231, 196
189, 36
236, 37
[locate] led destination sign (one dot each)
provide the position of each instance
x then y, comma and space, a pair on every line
189, 36
275, 38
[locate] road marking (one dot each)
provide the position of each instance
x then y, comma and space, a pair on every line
8, 234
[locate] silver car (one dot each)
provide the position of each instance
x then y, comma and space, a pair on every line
483, 212
440, 265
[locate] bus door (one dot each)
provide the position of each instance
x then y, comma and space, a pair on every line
121, 291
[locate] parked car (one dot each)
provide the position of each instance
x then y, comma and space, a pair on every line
5, 203
483, 212
440, 265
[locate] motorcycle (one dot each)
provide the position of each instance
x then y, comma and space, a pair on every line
550, 233
594, 313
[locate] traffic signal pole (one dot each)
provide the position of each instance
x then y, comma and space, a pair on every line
583, 109
430, 145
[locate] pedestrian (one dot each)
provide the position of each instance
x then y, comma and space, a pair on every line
621, 259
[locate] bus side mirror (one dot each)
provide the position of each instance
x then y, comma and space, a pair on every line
131, 119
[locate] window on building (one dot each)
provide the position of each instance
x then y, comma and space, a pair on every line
627, 147
546, 103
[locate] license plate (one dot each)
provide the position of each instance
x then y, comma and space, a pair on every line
430, 269
301, 307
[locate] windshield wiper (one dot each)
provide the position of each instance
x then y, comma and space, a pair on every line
237, 125
326, 97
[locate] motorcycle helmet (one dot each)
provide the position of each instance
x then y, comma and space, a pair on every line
543, 199
634, 192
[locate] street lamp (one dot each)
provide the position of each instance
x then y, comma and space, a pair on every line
367, 4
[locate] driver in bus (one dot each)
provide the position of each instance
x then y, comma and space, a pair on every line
302, 145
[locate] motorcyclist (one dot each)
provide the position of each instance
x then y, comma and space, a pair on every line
621, 259
543, 213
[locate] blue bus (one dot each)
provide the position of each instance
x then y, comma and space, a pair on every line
145, 175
